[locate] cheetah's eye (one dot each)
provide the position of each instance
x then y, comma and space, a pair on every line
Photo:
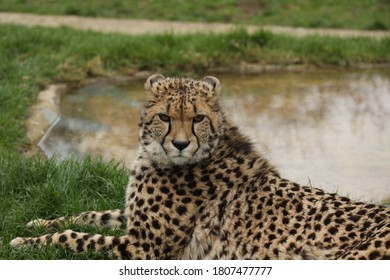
164, 117
198, 118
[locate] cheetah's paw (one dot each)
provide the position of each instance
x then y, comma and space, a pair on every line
18, 242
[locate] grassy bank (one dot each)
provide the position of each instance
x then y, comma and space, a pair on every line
31, 57
363, 14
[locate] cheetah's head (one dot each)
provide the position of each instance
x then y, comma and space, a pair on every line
181, 121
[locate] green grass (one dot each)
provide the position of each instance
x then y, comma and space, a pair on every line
32, 188
362, 14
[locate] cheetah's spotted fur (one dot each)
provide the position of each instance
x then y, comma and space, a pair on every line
199, 190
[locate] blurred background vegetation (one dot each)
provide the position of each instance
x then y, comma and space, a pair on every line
361, 14
31, 58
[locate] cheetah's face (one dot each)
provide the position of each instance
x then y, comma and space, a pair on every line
181, 121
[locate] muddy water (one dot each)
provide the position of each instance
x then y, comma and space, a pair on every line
327, 129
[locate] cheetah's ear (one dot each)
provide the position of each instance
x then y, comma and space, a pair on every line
214, 82
153, 79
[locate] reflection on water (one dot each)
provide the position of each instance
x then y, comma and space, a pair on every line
331, 129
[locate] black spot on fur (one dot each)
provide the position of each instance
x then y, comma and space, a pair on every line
63, 238
150, 190
134, 233
91, 245
123, 251
140, 202
164, 189
168, 203
181, 210
374, 255
80, 244
378, 244
101, 240
186, 200
106, 218
156, 224
155, 208
333, 230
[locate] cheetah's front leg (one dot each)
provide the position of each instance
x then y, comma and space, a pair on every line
100, 219
78, 242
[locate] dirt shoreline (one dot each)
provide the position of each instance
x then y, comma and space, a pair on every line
137, 27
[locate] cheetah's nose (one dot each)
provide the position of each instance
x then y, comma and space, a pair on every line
180, 145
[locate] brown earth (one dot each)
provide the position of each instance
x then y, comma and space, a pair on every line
134, 27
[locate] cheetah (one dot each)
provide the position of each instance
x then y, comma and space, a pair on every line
199, 190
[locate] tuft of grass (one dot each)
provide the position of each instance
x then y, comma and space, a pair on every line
387, 204
32, 188
362, 14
